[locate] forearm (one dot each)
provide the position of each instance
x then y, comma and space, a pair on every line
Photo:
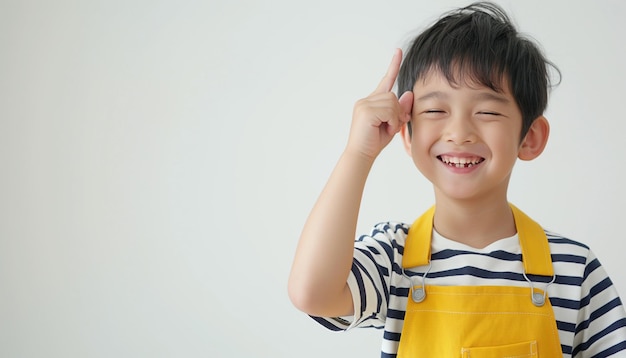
318, 280
323, 259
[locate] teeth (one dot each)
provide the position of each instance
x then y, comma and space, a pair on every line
461, 162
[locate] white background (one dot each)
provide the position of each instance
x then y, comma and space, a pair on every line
158, 160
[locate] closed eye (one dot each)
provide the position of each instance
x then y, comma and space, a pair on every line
490, 113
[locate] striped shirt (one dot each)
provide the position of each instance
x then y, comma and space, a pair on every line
590, 317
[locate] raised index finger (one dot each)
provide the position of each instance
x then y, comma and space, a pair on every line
386, 84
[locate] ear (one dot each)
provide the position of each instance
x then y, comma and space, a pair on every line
535, 140
405, 131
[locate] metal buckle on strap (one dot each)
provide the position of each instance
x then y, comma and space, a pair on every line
538, 298
418, 293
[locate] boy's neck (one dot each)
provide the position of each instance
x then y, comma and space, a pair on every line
474, 224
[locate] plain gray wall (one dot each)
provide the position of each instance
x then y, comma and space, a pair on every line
158, 160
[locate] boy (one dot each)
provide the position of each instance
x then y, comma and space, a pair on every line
474, 276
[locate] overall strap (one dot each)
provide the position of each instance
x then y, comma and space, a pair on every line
417, 243
533, 242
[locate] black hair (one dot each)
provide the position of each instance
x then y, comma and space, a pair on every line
478, 44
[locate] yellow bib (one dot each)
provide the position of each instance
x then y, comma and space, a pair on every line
479, 321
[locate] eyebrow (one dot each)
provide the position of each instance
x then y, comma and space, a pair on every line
489, 96
481, 96
434, 94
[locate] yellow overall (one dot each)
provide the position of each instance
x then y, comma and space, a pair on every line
479, 321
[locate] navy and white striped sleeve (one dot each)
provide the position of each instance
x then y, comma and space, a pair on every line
601, 326
374, 259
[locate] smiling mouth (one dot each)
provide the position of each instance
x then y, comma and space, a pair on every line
464, 162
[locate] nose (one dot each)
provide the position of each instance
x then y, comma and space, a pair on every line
459, 130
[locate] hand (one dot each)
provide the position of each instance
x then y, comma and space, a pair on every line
378, 117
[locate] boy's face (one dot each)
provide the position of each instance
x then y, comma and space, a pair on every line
465, 139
